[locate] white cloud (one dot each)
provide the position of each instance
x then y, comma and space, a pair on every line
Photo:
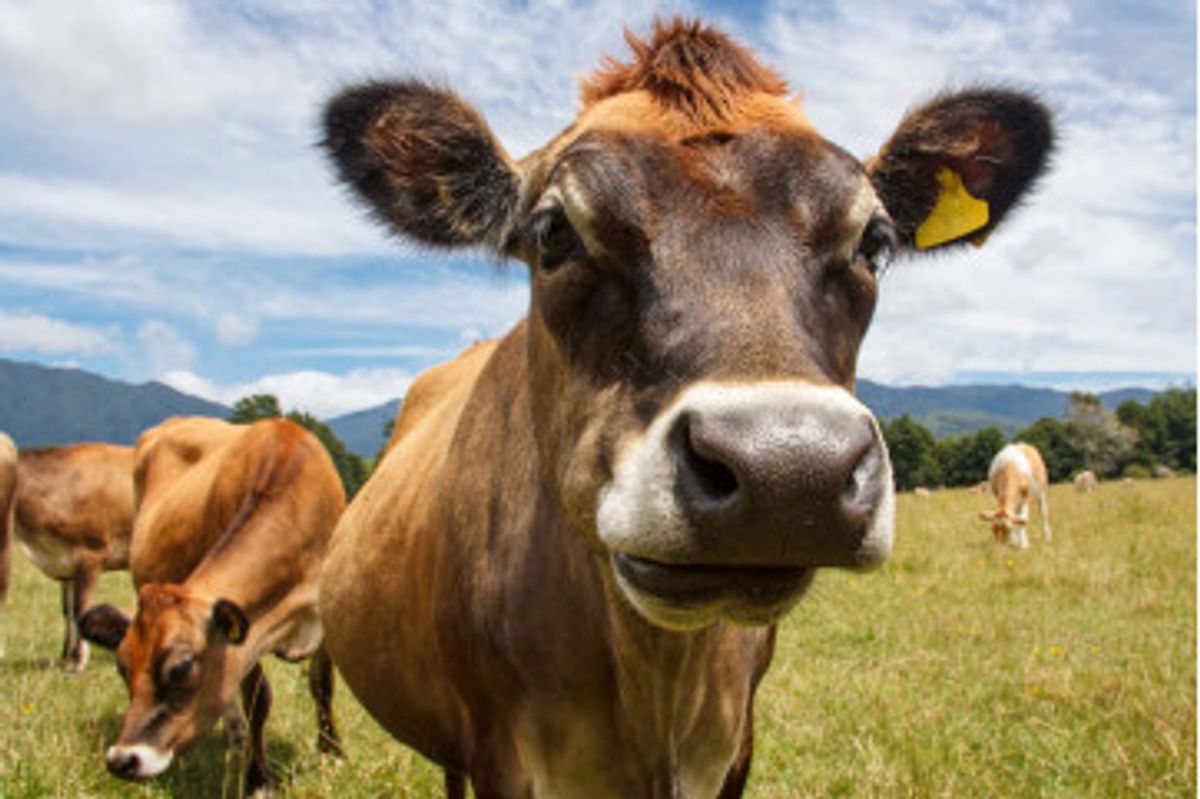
323, 394
29, 332
164, 348
236, 329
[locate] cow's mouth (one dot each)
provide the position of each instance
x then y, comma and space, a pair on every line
693, 595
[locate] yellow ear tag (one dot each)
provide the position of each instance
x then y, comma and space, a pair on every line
955, 214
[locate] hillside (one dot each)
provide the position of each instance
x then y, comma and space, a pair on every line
45, 406
362, 431
42, 406
953, 410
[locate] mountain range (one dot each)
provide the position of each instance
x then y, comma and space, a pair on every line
44, 406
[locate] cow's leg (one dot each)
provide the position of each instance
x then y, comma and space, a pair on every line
320, 685
76, 596
1044, 509
256, 699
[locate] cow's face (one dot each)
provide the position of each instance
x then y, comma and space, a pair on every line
704, 266
177, 660
1004, 524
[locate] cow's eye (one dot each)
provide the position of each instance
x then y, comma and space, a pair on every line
554, 239
877, 245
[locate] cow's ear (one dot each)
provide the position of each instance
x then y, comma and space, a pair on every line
103, 625
424, 162
229, 621
956, 165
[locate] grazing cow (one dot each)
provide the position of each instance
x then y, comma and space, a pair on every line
563, 579
72, 515
232, 524
8, 491
1017, 473
1085, 482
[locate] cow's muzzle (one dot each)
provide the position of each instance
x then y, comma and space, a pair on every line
737, 492
136, 762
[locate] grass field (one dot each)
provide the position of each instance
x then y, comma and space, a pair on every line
960, 670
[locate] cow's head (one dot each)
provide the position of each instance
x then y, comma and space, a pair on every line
177, 659
704, 266
1004, 524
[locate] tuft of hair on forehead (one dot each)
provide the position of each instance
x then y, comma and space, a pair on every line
686, 67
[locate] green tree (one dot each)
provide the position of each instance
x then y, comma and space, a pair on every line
964, 460
1166, 428
912, 450
1053, 438
1107, 444
254, 407
1178, 407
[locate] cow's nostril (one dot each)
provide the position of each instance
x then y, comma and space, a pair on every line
861, 490
122, 764
707, 479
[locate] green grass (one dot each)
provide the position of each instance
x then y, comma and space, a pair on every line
961, 669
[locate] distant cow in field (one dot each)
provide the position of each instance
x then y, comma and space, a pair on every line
1017, 473
232, 525
72, 513
563, 578
1085, 482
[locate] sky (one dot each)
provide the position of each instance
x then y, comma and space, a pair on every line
166, 214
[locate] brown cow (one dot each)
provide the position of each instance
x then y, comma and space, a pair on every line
8, 491
72, 515
1016, 474
232, 524
563, 579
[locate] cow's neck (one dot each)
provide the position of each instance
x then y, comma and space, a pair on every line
679, 701
666, 681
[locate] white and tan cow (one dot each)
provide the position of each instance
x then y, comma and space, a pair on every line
1085, 481
72, 513
562, 579
1017, 474
232, 524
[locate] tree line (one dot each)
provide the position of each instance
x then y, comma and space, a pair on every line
1137, 440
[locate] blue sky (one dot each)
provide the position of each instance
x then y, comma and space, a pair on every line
165, 214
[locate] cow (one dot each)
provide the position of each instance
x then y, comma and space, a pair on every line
564, 577
1016, 474
232, 523
8, 492
1085, 482
72, 514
